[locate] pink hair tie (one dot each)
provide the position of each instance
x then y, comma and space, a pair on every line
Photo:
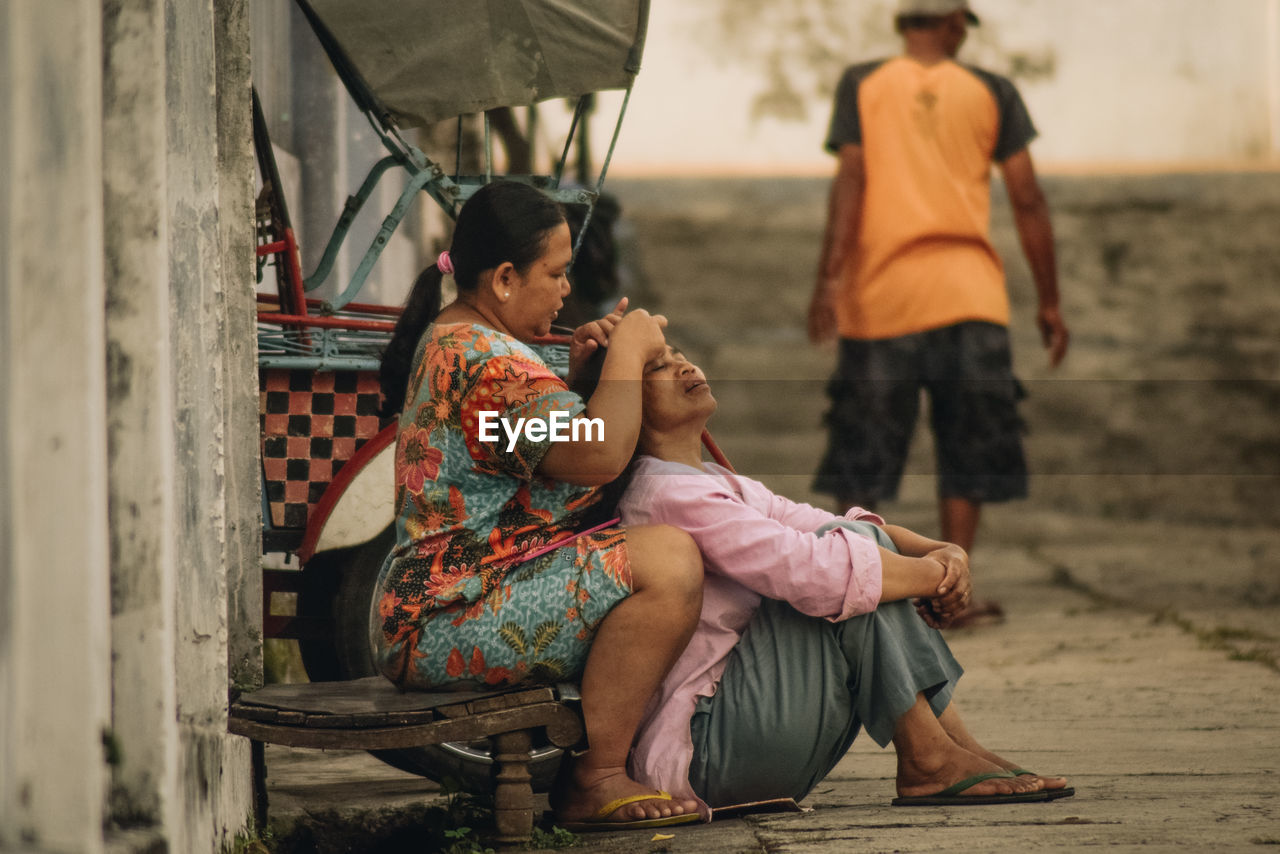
445, 263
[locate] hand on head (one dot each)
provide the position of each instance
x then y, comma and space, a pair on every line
641, 329
618, 331
641, 332
592, 336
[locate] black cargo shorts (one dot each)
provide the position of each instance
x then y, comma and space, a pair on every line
966, 371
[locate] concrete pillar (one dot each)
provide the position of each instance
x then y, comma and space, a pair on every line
213, 768
242, 554
140, 417
236, 199
54, 589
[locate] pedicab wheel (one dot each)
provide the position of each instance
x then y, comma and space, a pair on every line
340, 585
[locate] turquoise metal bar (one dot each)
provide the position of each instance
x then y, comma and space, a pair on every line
604, 170
457, 158
349, 213
488, 150
568, 140
423, 180
613, 143
321, 363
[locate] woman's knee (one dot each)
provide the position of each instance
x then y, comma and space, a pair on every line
665, 558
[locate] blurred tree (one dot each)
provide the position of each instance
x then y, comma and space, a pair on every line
800, 47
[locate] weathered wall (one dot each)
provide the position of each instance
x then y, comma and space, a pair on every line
202, 286
140, 415
55, 657
129, 583
235, 193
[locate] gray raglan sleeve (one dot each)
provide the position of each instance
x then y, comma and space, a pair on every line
1016, 128
846, 124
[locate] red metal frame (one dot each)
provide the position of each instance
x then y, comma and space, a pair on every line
296, 293
716, 453
326, 322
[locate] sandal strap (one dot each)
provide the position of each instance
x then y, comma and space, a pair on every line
613, 806
970, 782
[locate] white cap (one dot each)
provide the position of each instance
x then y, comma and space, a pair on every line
936, 7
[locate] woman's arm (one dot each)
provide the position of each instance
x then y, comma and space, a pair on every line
834, 576
597, 457
806, 517
909, 577
910, 543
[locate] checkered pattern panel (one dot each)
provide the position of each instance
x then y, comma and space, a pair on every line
312, 422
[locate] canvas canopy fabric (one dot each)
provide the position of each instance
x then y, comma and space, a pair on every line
429, 60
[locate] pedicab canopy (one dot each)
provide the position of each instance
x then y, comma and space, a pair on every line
422, 61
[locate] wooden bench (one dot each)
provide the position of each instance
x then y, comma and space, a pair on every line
372, 714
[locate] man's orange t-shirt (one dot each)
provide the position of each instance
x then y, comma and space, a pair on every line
923, 257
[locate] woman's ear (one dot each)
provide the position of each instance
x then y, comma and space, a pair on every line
505, 277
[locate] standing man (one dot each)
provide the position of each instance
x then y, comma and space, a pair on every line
908, 277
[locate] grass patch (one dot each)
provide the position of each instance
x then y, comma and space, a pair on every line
252, 841
556, 837
1224, 639
1219, 638
1225, 633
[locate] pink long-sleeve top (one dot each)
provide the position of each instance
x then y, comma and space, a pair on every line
754, 544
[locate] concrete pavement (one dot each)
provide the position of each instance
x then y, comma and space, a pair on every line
1141, 579
1170, 741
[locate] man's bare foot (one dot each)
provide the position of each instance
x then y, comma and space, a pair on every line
1049, 782
930, 773
959, 733
590, 789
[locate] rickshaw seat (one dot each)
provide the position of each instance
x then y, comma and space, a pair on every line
372, 714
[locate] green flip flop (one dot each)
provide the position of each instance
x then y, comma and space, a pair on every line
1054, 794
952, 797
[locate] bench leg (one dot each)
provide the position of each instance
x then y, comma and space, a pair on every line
513, 796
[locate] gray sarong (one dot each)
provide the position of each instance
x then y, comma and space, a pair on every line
797, 689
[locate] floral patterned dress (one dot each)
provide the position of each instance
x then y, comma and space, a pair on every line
458, 602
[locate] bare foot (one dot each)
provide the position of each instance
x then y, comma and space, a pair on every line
930, 773
589, 789
1049, 782
960, 734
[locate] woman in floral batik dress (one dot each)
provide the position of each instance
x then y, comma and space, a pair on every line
472, 511
493, 580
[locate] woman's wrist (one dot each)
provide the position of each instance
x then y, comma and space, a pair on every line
934, 573
622, 363
905, 577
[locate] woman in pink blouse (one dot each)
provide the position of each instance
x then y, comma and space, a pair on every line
807, 633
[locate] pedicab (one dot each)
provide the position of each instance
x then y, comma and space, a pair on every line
327, 453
